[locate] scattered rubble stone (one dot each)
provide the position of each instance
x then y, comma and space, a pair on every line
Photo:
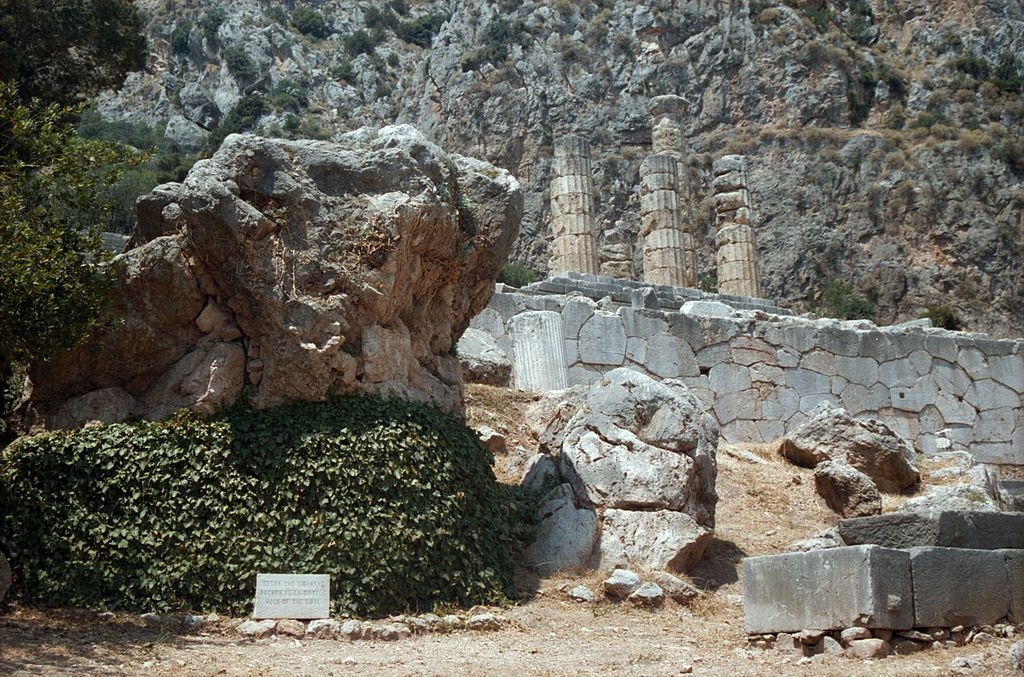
847, 490
621, 584
850, 634
965, 665
648, 594
256, 629
582, 593
483, 621
323, 628
869, 648
675, 588
289, 627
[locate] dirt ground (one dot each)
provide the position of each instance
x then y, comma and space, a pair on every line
764, 504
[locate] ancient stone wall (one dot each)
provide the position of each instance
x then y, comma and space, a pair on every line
762, 373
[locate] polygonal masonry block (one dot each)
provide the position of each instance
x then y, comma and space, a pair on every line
863, 585
954, 586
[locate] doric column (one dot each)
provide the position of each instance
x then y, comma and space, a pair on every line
664, 245
737, 250
572, 208
668, 137
538, 351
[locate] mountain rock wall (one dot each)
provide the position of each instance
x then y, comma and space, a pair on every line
885, 141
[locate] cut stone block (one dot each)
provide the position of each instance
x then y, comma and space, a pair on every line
954, 586
981, 530
894, 530
864, 585
1015, 573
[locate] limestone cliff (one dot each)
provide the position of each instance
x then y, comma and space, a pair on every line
884, 140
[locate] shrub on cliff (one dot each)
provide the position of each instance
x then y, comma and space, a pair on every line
395, 500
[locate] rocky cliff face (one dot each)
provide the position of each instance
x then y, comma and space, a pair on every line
885, 140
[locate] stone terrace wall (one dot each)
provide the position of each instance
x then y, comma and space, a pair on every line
761, 373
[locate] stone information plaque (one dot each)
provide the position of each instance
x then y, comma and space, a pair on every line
298, 596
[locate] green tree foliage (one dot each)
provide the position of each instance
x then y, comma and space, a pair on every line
943, 316
395, 500
421, 31
516, 275
160, 161
64, 51
52, 283
308, 21
499, 35
840, 301
243, 117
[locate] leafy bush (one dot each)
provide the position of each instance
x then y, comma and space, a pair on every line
51, 286
972, 65
421, 31
499, 35
516, 275
343, 71
210, 23
943, 316
308, 21
277, 14
241, 65
241, 118
180, 37
838, 300
359, 42
396, 501
1006, 75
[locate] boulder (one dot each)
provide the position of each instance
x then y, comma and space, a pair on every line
621, 584
292, 270
482, 360
639, 444
642, 454
847, 491
869, 445
565, 535
651, 540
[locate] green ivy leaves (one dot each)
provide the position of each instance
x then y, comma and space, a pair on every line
395, 500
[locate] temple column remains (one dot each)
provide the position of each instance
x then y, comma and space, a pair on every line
668, 137
737, 251
664, 248
572, 209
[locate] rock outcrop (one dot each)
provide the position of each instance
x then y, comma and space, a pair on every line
291, 270
640, 455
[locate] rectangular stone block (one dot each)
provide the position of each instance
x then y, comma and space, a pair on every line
981, 530
300, 596
1015, 573
863, 585
954, 586
895, 530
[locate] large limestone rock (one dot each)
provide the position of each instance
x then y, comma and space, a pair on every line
868, 445
846, 490
641, 453
292, 270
